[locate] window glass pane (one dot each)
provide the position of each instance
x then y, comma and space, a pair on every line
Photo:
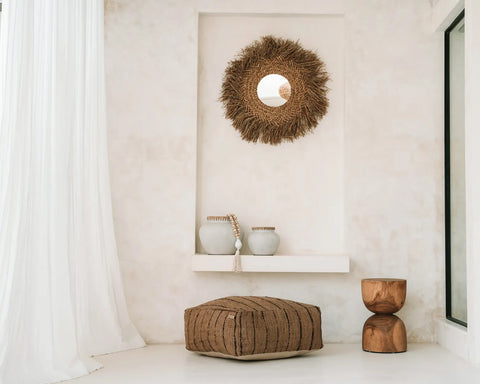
456, 131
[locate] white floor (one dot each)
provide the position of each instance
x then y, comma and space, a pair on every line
334, 364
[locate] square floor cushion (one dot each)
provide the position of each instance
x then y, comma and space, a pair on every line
253, 328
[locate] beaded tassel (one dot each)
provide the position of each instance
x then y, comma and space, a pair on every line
237, 262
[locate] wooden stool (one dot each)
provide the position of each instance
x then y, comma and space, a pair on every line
384, 332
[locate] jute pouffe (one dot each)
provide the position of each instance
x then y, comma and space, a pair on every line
253, 328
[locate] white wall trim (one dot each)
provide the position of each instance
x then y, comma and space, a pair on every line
452, 337
444, 13
193, 230
466, 343
472, 174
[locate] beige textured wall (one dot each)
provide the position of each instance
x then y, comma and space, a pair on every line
393, 163
297, 187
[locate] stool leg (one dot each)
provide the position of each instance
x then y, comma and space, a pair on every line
384, 334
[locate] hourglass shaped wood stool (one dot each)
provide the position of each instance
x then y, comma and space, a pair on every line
384, 332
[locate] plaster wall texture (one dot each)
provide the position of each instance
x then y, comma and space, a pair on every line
392, 155
297, 187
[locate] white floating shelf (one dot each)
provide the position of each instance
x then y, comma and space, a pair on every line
277, 263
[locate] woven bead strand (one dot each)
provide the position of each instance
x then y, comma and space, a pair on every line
237, 267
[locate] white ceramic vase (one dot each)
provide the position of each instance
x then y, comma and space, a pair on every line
263, 241
217, 236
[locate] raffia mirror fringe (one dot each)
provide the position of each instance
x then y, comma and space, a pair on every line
306, 106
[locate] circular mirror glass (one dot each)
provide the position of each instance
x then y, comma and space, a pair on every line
273, 90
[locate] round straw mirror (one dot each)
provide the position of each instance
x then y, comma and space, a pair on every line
275, 91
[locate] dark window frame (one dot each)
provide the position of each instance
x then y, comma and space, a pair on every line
448, 245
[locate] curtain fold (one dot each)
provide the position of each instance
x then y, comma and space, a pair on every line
61, 295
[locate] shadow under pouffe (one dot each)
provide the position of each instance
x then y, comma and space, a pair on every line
253, 328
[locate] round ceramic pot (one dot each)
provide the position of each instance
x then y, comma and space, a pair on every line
263, 241
217, 236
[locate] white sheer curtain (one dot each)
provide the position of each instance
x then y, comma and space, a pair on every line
61, 297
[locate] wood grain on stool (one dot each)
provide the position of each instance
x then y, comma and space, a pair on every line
384, 332
384, 295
